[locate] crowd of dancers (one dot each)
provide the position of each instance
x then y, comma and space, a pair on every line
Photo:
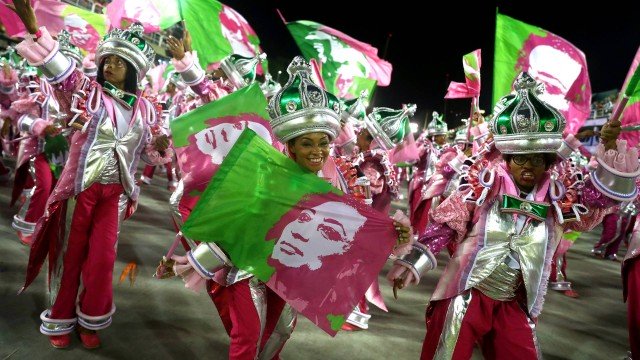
505, 196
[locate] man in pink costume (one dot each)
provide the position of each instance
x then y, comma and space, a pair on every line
43, 148
507, 219
113, 129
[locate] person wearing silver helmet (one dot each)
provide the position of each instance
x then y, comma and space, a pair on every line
113, 128
305, 118
43, 150
507, 219
431, 144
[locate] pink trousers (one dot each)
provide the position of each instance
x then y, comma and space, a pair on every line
91, 254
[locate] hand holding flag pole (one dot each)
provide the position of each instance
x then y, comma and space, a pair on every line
612, 128
25, 12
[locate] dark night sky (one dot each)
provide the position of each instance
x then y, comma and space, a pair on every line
609, 35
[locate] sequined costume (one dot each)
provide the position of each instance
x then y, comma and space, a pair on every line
430, 152
493, 287
96, 189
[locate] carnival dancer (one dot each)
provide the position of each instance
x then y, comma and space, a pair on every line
431, 144
8, 94
616, 228
306, 119
44, 149
508, 217
382, 131
114, 128
449, 169
235, 73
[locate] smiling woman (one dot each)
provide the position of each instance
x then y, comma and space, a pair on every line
310, 151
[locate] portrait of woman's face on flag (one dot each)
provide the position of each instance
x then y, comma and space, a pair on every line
322, 250
324, 230
217, 141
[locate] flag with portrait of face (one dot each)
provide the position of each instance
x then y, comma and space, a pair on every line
348, 66
549, 59
316, 247
203, 137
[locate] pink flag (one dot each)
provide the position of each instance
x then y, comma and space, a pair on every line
471, 88
85, 27
308, 241
154, 15
348, 65
549, 59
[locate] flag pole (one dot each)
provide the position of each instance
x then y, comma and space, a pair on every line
628, 92
495, 56
384, 56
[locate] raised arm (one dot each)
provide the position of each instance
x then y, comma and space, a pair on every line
186, 63
41, 50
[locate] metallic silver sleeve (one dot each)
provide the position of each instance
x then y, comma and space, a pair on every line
565, 150
25, 123
613, 183
419, 260
207, 258
57, 67
193, 75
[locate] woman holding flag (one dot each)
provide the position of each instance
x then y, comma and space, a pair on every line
305, 118
114, 128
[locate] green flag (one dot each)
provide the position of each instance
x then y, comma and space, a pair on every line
549, 59
227, 197
348, 66
218, 31
316, 247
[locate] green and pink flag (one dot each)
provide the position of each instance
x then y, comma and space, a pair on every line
203, 137
348, 66
548, 58
85, 27
316, 247
218, 31
630, 116
471, 63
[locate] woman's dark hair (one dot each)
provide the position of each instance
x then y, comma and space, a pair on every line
549, 159
130, 78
